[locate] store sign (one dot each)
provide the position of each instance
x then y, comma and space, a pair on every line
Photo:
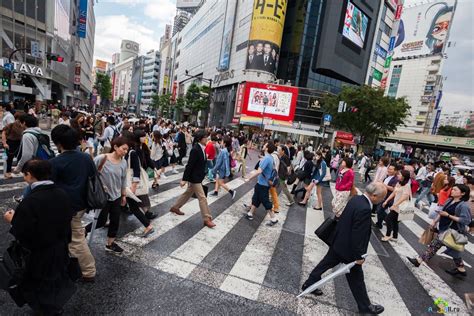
82, 20
77, 73
24, 68
391, 46
239, 101
380, 51
377, 75
223, 76
388, 61
344, 135
398, 13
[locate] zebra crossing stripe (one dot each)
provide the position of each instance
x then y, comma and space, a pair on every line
170, 220
248, 273
185, 259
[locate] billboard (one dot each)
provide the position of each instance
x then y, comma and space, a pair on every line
226, 44
101, 65
266, 32
270, 101
424, 29
355, 25
82, 19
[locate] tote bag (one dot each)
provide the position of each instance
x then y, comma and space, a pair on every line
143, 185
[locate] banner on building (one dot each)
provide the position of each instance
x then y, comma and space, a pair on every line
77, 73
266, 32
82, 19
377, 75
424, 29
270, 101
226, 44
239, 100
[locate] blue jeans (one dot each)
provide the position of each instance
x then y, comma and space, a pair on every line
210, 166
425, 192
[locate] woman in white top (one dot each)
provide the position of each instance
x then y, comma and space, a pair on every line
400, 194
157, 154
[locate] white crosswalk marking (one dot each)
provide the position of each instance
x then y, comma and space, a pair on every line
249, 271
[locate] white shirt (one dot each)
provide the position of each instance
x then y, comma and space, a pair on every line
387, 180
370, 202
8, 118
421, 175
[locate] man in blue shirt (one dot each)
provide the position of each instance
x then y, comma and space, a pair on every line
261, 191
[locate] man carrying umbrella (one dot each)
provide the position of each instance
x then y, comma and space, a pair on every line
350, 244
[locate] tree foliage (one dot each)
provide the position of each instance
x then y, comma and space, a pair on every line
452, 131
103, 86
197, 98
161, 104
374, 114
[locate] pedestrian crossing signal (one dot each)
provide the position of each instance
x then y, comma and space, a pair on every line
5, 82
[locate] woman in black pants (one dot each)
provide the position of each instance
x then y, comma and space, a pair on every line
400, 194
113, 173
137, 182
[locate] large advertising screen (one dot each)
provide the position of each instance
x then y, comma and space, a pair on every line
424, 29
355, 25
266, 32
271, 101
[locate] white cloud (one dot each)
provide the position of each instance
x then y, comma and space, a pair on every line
163, 12
111, 30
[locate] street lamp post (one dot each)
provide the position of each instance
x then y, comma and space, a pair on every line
263, 117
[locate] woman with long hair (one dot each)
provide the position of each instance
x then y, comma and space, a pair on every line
456, 215
317, 177
445, 191
400, 194
344, 183
138, 159
172, 157
11, 139
89, 134
221, 170
158, 155
112, 169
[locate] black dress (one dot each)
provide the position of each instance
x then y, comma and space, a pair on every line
44, 228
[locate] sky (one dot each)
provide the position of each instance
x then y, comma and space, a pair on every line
144, 21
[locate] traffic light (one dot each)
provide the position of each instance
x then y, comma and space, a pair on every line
5, 82
54, 57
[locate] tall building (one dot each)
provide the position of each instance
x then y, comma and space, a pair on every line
180, 20
387, 26
122, 70
470, 126
190, 6
416, 68
460, 119
151, 73
48, 27
166, 37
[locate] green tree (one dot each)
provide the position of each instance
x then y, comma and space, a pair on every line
452, 131
197, 98
155, 103
178, 107
103, 86
161, 104
372, 113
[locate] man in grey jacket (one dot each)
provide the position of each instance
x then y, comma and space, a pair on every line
29, 142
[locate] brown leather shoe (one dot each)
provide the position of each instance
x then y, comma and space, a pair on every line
176, 211
209, 223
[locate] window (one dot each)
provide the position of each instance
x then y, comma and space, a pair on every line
420, 123
422, 113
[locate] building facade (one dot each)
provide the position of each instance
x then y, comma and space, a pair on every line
180, 20
416, 70
460, 119
122, 71
40, 27
151, 74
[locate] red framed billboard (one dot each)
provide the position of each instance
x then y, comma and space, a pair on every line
270, 101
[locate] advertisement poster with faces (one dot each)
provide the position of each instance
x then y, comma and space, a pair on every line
355, 25
424, 29
274, 102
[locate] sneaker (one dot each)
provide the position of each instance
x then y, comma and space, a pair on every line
163, 175
175, 171
114, 248
394, 240
272, 223
249, 217
212, 181
214, 193
414, 262
290, 203
233, 194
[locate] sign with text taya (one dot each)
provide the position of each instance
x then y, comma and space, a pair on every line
270, 101
82, 19
266, 33
24, 68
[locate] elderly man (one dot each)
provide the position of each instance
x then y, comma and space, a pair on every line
350, 243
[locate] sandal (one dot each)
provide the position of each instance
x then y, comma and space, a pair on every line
155, 186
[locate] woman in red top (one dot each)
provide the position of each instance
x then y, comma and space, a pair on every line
344, 183
445, 192
211, 156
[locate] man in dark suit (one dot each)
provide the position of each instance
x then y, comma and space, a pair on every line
268, 61
251, 57
194, 173
258, 59
181, 141
350, 243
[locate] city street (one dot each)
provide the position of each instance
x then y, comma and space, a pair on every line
244, 266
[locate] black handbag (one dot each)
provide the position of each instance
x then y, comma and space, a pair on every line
205, 188
291, 178
327, 231
13, 265
96, 193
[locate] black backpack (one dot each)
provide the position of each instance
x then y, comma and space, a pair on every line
283, 170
